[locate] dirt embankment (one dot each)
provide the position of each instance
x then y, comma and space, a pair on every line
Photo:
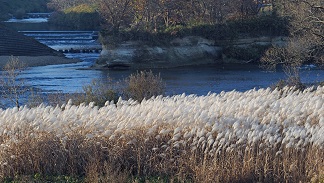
29, 51
34, 61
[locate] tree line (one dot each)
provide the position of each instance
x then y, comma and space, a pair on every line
157, 15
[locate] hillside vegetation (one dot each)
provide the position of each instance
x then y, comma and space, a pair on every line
80, 17
18, 8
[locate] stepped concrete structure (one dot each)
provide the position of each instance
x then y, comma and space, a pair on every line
16, 44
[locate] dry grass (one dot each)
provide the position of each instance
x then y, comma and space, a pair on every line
124, 159
143, 84
255, 136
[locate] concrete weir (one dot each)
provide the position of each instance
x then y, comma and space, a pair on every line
80, 51
83, 35
68, 41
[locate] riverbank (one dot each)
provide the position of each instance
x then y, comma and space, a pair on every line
186, 51
34, 61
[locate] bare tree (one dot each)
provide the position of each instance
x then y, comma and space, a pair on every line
306, 40
291, 57
307, 23
12, 86
115, 13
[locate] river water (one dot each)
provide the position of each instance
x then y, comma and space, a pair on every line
198, 80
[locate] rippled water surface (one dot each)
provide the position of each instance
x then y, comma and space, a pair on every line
191, 80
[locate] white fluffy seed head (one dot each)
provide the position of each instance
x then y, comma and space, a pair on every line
217, 120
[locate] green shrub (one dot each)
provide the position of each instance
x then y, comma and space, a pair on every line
76, 20
214, 32
20, 13
267, 25
82, 8
252, 53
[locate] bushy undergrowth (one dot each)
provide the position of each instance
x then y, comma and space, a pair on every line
267, 25
258, 26
137, 86
252, 53
82, 17
143, 84
256, 136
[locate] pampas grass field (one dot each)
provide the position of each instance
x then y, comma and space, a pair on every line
254, 136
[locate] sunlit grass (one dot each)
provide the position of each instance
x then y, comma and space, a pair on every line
257, 135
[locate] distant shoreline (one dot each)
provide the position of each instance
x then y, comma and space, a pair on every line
34, 61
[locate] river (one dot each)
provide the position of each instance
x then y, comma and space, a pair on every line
198, 80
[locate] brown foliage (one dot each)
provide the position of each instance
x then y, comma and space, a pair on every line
133, 154
143, 84
157, 15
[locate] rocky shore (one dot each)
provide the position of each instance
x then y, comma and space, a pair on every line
136, 54
191, 50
